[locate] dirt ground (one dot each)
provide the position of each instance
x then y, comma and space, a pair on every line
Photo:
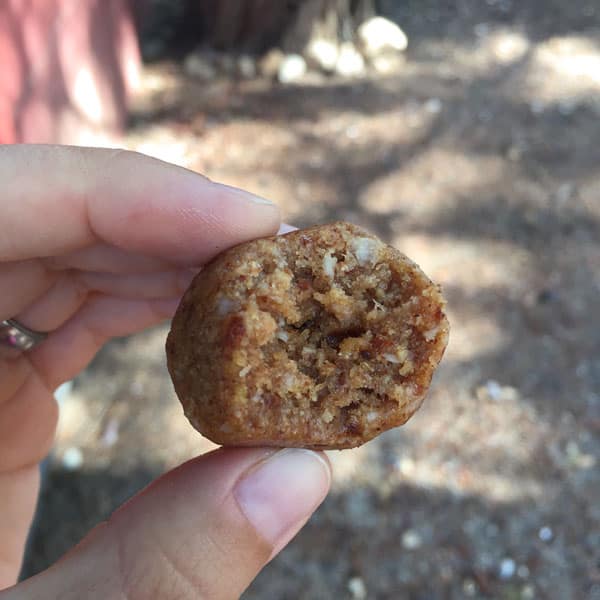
480, 159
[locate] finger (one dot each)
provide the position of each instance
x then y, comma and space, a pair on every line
128, 200
27, 424
56, 306
70, 348
21, 283
70, 292
103, 258
18, 490
30, 289
12, 375
148, 285
202, 531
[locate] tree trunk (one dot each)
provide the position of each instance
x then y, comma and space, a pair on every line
67, 69
256, 25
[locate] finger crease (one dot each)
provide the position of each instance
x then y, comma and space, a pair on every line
192, 586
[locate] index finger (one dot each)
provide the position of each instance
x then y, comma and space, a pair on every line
56, 199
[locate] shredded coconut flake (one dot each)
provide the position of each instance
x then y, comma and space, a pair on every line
430, 335
403, 354
407, 368
329, 262
371, 416
282, 335
366, 250
225, 306
327, 416
245, 371
392, 358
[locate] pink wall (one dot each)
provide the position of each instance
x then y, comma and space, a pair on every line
66, 67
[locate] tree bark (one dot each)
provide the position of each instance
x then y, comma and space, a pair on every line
67, 69
256, 25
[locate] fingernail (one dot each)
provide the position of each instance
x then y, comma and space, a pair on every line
285, 228
280, 493
247, 196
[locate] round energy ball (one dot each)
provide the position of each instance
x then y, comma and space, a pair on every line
320, 338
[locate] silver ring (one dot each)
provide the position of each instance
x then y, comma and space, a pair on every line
18, 338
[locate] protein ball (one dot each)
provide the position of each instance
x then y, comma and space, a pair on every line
320, 338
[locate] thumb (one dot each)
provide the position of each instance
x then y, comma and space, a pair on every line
203, 530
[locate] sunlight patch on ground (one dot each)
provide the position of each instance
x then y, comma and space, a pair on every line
406, 124
436, 450
506, 46
562, 69
424, 189
479, 335
351, 468
497, 264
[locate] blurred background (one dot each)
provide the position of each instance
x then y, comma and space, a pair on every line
466, 133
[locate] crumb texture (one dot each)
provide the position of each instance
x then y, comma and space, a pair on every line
322, 338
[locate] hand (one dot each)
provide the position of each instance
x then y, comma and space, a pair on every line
101, 243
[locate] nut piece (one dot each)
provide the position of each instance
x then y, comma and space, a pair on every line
319, 338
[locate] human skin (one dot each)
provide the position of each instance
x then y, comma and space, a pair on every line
96, 244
